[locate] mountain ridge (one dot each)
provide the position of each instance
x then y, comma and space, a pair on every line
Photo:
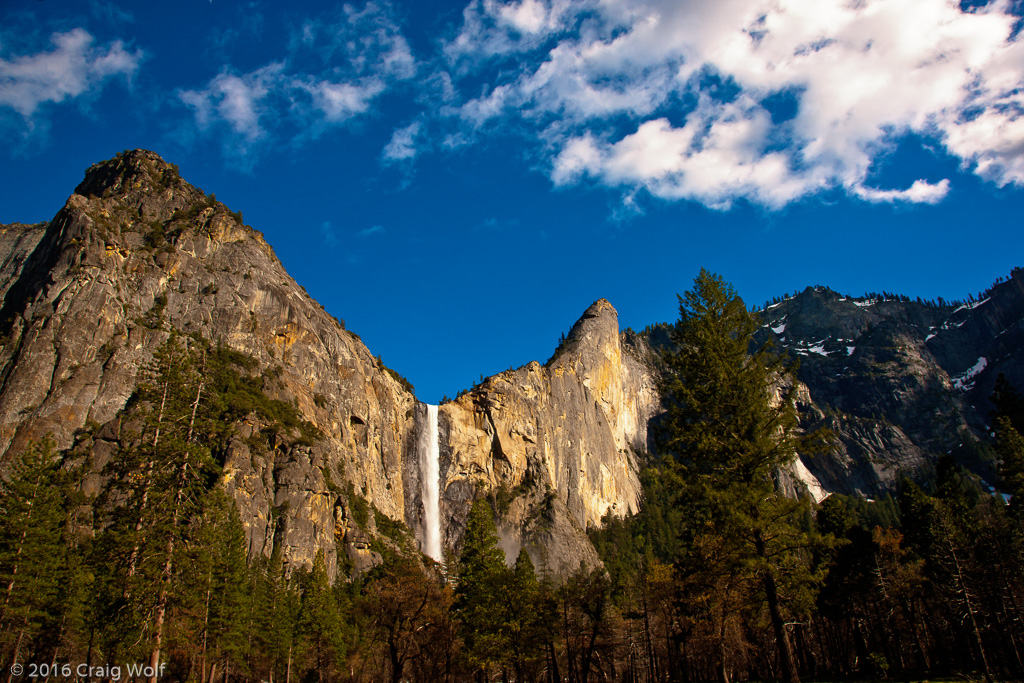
136, 251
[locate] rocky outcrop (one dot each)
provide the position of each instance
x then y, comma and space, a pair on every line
558, 443
17, 242
137, 251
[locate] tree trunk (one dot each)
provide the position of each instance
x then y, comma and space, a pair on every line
17, 651
970, 608
789, 670
144, 503
179, 501
553, 674
723, 654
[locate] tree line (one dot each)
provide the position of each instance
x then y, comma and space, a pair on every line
718, 577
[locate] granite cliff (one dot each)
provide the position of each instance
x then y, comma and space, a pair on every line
557, 443
136, 251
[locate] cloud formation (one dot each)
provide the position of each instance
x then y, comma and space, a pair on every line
334, 71
765, 100
402, 146
73, 68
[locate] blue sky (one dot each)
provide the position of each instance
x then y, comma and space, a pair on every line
459, 180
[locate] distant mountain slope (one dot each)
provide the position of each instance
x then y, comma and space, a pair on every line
902, 382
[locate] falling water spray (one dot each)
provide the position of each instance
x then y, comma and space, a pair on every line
430, 480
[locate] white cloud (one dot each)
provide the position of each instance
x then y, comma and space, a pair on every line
491, 28
335, 70
374, 230
402, 146
712, 159
238, 101
357, 41
74, 67
340, 101
921, 192
676, 98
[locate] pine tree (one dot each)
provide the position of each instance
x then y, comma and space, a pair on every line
320, 620
1009, 420
481, 577
32, 548
524, 624
157, 485
277, 617
216, 571
731, 425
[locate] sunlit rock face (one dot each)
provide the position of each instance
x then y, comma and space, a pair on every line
559, 441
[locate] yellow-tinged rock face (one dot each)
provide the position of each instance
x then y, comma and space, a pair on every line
566, 431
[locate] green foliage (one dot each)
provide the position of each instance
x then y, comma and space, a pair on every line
157, 485
406, 384
624, 543
34, 564
1009, 427
501, 498
320, 620
219, 580
236, 395
359, 506
481, 577
396, 531
742, 541
275, 617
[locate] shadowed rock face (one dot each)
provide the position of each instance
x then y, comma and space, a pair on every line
900, 382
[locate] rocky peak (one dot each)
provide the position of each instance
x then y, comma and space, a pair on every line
136, 252
141, 181
129, 169
597, 327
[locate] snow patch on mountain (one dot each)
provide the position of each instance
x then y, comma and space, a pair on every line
965, 380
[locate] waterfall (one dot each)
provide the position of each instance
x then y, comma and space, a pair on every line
430, 480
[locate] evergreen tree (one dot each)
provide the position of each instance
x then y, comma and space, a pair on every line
157, 485
524, 622
277, 617
32, 548
219, 578
320, 620
481, 578
1009, 420
731, 425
